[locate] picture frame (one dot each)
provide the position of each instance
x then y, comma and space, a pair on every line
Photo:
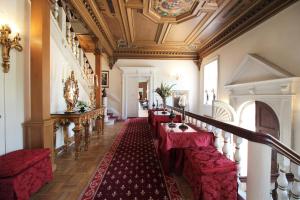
105, 79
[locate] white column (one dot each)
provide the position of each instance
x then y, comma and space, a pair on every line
259, 171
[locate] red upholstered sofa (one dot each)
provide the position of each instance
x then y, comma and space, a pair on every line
211, 175
23, 172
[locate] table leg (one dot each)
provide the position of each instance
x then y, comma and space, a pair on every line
102, 124
86, 135
66, 137
77, 137
55, 128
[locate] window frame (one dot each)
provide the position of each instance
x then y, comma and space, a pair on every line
215, 58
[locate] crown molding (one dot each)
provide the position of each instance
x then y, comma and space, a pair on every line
255, 15
155, 54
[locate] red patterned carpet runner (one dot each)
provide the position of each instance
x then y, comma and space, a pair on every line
131, 169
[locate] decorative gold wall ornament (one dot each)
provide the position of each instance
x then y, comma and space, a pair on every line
8, 44
71, 92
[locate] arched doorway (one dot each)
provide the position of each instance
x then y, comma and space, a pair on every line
267, 122
260, 117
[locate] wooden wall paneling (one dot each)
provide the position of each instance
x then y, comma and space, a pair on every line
38, 130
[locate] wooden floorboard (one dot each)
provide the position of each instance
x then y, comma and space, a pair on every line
71, 177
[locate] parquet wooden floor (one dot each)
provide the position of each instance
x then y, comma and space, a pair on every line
71, 177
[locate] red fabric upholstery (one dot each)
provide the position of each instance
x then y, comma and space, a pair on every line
23, 172
211, 175
16, 161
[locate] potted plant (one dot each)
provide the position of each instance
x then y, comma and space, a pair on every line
164, 91
82, 106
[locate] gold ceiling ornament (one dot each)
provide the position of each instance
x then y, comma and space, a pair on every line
71, 92
7, 45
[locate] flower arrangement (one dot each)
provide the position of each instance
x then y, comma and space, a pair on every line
164, 91
82, 106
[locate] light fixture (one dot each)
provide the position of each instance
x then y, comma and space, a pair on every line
7, 45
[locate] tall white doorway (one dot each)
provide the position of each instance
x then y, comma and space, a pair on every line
134, 95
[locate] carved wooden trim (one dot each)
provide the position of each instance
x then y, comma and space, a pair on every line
155, 54
94, 25
251, 18
249, 135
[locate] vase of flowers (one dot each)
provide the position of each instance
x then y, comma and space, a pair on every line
164, 91
82, 106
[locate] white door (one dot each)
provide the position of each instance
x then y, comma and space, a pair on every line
2, 135
132, 96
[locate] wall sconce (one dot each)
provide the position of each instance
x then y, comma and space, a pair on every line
8, 44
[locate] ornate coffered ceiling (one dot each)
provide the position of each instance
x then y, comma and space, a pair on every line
171, 29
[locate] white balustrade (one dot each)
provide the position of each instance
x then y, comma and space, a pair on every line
55, 9
282, 182
68, 34
238, 157
203, 126
295, 191
218, 139
227, 145
73, 35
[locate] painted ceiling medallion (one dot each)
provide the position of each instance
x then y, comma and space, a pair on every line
172, 8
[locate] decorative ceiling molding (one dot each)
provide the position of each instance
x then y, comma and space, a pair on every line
176, 11
132, 29
255, 15
155, 54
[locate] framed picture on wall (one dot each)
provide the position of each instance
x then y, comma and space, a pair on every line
105, 79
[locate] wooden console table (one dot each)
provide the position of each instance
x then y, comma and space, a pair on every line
81, 121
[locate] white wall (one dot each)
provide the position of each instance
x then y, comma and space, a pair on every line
62, 62
164, 71
15, 84
276, 40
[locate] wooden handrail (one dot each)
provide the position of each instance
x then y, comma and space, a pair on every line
252, 136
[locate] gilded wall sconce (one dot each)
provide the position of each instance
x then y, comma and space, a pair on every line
7, 45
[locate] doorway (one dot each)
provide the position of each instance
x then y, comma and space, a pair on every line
260, 117
137, 95
143, 97
267, 122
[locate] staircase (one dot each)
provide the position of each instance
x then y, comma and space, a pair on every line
111, 119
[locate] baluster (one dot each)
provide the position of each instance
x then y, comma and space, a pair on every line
227, 144
73, 35
237, 158
218, 139
209, 128
195, 122
295, 191
76, 48
55, 9
282, 182
199, 123
68, 35
203, 125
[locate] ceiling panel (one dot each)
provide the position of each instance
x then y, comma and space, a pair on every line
144, 28
179, 32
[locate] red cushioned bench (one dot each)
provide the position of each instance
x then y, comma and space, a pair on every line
24, 172
211, 175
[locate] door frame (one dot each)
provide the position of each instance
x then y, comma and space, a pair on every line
129, 73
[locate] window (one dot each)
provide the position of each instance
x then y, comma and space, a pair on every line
210, 77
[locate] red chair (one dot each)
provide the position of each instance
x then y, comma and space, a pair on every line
23, 172
211, 175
